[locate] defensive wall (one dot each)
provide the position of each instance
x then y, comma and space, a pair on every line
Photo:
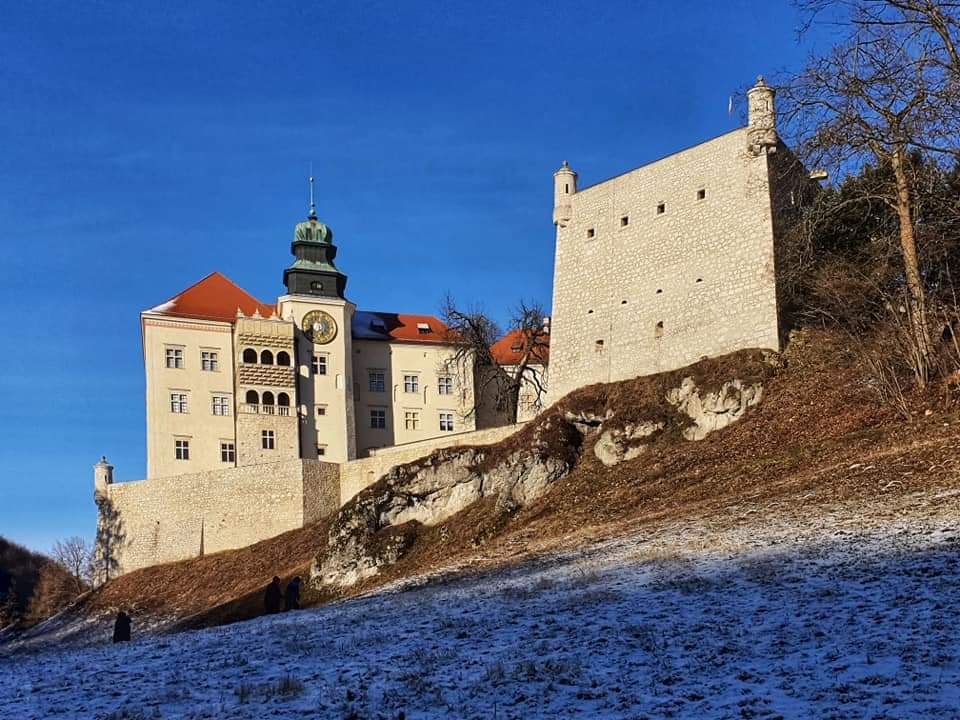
166, 519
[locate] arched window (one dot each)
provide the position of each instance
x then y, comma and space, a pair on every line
266, 357
252, 397
283, 399
283, 358
267, 398
249, 355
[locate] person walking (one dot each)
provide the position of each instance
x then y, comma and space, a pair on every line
293, 594
121, 628
273, 597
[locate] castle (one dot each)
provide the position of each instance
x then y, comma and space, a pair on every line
675, 260
262, 418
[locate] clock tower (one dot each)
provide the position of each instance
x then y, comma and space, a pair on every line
322, 318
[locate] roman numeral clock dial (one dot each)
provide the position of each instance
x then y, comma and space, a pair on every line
319, 327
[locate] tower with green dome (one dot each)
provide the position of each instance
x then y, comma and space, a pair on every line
313, 271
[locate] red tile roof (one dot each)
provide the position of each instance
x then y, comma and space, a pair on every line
215, 297
397, 326
508, 350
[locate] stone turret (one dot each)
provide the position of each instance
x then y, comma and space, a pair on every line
102, 476
564, 187
762, 117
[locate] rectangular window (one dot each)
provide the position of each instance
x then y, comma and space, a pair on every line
221, 405
175, 358
228, 452
445, 385
590, 233
319, 364
411, 383
266, 439
321, 410
321, 450
181, 449
446, 422
208, 361
624, 221
411, 420
178, 402
661, 208
377, 382
423, 328
701, 194
378, 418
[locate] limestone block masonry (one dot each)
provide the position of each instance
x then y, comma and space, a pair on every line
672, 261
184, 516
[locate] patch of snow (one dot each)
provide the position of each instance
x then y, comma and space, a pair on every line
833, 618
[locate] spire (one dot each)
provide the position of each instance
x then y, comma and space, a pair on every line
313, 206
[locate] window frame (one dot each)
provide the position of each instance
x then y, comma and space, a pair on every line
319, 364
268, 440
376, 386
228, 451
378, 418
411, 383
411, 419
446, 418
179, 402
181, 448
210, 360
445, 385
223, 403
176, 354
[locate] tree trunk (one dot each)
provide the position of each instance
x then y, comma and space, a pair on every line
911, 265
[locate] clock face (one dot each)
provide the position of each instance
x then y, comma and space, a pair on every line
319, 327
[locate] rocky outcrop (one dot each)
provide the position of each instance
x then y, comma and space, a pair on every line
377, 527
711, 411
619, 444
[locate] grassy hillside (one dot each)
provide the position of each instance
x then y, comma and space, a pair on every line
818, 438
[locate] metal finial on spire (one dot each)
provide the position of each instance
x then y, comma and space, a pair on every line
313, 206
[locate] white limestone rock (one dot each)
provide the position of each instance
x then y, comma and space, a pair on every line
713, 410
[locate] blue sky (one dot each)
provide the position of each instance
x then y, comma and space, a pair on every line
145, 146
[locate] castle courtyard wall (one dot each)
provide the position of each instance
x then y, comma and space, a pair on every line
184, 516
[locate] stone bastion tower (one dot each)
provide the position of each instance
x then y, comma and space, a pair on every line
675, 260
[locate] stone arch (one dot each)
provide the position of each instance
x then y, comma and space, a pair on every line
266, 357
267, 397
283, 399
283, 358
249, 355
252, 397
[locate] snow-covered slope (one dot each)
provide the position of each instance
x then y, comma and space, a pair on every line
832, 615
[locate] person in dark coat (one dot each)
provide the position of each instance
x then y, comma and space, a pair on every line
293, 594
273, 597
121, 628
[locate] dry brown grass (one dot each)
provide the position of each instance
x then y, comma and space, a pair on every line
817, 438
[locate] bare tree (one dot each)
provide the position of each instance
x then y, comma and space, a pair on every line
75, 554
498, 386
111, 537
887, 88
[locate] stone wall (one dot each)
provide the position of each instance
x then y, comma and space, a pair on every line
359, 474
184, 516
174, 518
663, 265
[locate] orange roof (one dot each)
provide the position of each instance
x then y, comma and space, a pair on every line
215, 297
395, 326
508, 350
